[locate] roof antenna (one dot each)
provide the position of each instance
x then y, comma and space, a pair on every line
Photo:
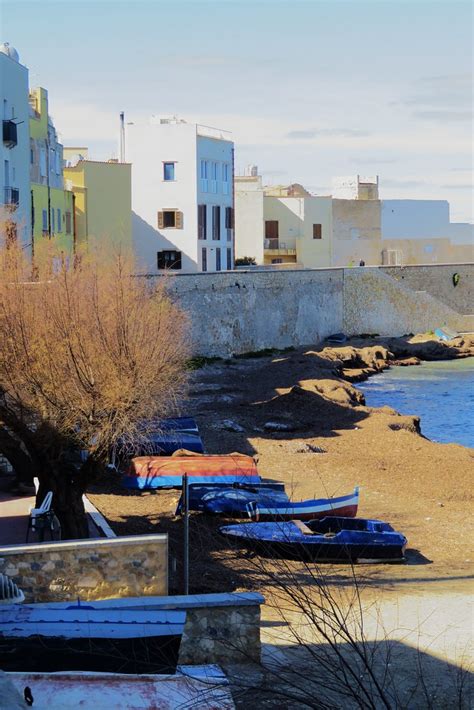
122, 137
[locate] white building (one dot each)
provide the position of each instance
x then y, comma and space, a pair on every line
182, 196
15, 199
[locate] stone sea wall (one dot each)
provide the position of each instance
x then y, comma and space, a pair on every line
89, 569
244, 311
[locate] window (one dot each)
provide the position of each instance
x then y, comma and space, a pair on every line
53, 223
32, 156
216, 222
68, 223
277, 261
317, 231
168, 172
225, 178
218, 259
169, 260
45, 220
170, 219
60, 228
202, 221
229, 222
229, 258
204, 175
214, 177
42, 162
204, 258
271, 229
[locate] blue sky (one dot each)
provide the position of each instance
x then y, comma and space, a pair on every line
310, 89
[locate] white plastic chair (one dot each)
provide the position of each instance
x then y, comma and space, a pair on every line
40, 515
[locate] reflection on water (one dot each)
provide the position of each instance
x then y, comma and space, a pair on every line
441, 393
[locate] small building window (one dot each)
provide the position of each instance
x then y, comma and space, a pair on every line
68, 223
202, 221
53, 225
170, 219
277, 261
317, 231
169, 260
60, 226
218, 259
271, 229
204, 259
45, 220
229, 258
168, 172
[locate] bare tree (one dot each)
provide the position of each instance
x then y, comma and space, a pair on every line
87, 353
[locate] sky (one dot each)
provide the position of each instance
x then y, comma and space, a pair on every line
310, 89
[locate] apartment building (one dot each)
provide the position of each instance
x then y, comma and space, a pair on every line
102, 192
182, 196
51, 202
15, 203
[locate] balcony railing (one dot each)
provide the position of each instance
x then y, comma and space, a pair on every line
11, 197
10, 134
277, 246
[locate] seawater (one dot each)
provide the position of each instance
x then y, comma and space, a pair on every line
441, 393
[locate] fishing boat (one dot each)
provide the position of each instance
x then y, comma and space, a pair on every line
265, 504
198, 493
167, 442
147, 472
332, 539
84, 638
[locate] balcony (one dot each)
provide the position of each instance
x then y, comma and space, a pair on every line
10, 134
11, 198
276, 247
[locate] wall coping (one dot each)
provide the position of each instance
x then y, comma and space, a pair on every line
181, 601
41, 547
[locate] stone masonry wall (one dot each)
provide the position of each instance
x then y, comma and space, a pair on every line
89, 569
437, 280
237, 312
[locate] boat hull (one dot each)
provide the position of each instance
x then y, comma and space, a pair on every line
335, 540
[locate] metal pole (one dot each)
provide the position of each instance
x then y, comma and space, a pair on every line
186, 532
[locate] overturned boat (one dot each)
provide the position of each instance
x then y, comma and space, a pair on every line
84, 638
147, 472
267, 504
332, 539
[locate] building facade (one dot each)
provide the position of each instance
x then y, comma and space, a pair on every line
182, 196
52, 207
15, 200
102, 193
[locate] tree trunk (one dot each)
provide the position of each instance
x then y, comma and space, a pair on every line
68, 487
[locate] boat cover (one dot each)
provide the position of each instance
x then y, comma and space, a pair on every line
167, 471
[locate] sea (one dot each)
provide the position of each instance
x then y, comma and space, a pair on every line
440, 393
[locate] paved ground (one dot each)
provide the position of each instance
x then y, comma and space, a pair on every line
14, 519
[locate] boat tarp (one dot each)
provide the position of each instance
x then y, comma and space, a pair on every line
168, 471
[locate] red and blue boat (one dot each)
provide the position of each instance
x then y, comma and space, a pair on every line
150, 472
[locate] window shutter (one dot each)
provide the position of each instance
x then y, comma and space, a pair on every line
179, 220
161, 221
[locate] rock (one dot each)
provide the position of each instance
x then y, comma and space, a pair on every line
278, 426
310, 449
336, 390
228, 425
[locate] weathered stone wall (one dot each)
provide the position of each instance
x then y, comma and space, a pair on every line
235, 312
89, 569
376, 303
219, 627
437, 280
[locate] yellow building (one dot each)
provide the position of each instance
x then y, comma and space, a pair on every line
102, 198
51, 204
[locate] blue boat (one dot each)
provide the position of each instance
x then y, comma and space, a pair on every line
84, 638
167, 442
267, 504
235, 496
332, 539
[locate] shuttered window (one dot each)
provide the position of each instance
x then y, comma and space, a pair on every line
218, 259
317, 231
202, 221
229, 259
170, 219
68, 223
204, 259
216, 222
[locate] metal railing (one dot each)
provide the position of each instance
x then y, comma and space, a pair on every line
11, 196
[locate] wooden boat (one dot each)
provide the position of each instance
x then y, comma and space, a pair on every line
275, 505
147, 472
82, 638
167, 442
332, 539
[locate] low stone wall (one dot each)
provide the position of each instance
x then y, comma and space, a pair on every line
89, 569
219, 628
